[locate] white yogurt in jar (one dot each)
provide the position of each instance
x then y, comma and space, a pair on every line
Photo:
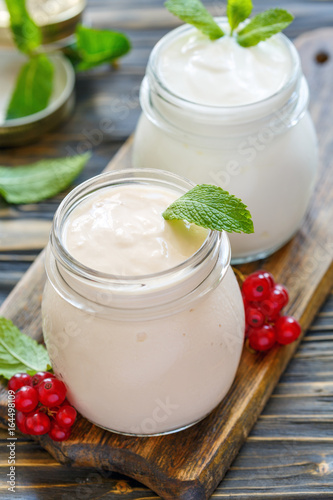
218, 113
221, 72
148, 354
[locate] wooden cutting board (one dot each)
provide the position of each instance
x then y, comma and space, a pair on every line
190, 464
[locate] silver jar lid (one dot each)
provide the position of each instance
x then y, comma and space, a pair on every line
24, 130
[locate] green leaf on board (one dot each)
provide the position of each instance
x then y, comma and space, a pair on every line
95, 47
41, 180
238, 11
213, 208
263, 26
33, 88
19, 352
195, 13
27, 35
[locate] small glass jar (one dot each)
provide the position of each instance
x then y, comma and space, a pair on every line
264, 153
142, 355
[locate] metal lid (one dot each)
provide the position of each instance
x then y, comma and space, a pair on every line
57, 19
27, 129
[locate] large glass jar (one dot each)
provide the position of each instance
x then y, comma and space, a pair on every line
264, 152
144, 355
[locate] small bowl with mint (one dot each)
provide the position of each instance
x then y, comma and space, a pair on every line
36, 78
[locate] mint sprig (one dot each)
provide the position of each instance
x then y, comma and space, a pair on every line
95, 47
33, 88
258, 29
41, 180
264, 26
238, 11
27, 35
19, 352
195, 13
213, 208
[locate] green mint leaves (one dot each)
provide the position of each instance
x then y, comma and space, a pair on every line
213, 208
41, 180
33, 88
19, 352
96, 47
238, 11
258, 29
195, 13
263, 26
27, 35
35, 81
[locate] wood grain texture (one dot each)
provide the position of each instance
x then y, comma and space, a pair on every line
289, 454
189, 465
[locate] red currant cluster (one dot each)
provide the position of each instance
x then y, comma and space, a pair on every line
263, 302
41, 405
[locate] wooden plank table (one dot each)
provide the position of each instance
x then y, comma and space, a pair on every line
289, 453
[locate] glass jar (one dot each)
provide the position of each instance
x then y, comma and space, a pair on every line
264, 153
144, 355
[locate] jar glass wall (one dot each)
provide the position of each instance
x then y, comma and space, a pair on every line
264, 153
149, 354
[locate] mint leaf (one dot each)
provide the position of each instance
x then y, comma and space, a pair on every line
27, 35
195, 13
35, 182
33, 88
213, 208
19, 352
263, 26
94, 47
238, 11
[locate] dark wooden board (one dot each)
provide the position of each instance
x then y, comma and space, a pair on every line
305, 265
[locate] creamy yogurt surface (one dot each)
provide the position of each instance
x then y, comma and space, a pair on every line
120, 230
221, 72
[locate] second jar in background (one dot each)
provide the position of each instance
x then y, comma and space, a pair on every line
264, 151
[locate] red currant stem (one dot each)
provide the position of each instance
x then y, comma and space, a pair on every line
51, 412
239, 274
247, 346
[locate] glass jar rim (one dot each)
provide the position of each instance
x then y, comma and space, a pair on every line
283, 92
118, 177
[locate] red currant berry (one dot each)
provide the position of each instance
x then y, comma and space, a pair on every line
66, 416
58, 433
52, 392
256, 287
267, 275
39, 377
26, 399
254, 317
262, 339
20, 422
19, 380
279, 295
287, 330
270, 309
37, 423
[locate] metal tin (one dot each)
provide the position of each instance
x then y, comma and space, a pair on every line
57, 19
29, 128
